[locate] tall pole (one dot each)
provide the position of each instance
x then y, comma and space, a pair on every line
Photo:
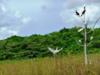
85, 41
85, 27
85, 45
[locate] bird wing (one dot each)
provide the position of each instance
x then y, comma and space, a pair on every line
77, 13
60, 49
83, 11
50, 49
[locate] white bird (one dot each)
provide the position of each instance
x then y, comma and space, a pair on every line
80, 41
91, 38
80, 29
54, 51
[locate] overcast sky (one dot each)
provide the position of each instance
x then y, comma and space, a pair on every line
26, 17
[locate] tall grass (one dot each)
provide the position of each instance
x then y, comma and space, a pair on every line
67, 65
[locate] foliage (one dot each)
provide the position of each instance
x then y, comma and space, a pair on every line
17, 47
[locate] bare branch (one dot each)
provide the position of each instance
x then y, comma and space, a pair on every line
96, 22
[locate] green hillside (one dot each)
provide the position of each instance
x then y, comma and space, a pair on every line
17, 47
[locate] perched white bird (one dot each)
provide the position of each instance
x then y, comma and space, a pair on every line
54, 51
80, 29
91, 38
80, 41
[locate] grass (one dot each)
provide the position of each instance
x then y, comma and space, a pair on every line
66, 65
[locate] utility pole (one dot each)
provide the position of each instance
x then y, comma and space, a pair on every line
85, 36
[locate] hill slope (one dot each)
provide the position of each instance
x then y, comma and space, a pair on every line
17, 47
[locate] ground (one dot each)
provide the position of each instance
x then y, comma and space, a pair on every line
59, 65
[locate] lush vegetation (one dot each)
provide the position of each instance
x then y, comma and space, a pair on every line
70, 65
17, 47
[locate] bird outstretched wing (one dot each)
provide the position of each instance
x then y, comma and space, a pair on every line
50, 49
60, 49
77, 13
54, 51
84, 11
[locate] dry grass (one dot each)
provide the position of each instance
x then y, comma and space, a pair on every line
69, 65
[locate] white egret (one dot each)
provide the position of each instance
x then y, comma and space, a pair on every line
54, 51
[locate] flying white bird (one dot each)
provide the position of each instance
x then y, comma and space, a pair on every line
54, 51
80, 30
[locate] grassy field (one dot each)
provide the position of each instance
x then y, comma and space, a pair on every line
66, 65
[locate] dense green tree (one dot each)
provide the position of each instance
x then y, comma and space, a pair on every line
17, 47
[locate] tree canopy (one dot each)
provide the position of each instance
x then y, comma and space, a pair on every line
17, 47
